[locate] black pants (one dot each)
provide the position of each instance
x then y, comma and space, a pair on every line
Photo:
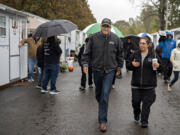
83, 77
167, 68
41, 77
147, 98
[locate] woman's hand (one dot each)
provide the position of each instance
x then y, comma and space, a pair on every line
135, 64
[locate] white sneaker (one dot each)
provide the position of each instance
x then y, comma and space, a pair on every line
44, 91
169, 88
81, 88
113, 86
31, 80
91, 86
54, 92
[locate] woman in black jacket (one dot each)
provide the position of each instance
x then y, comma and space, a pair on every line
143, 81
52, 53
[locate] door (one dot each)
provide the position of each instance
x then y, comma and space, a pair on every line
23, 50
14, 49
4, 49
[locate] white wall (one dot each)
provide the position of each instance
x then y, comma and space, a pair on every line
4, 67
4, 55
23, 51
13, 60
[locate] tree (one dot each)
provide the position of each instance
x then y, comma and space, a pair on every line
77, 11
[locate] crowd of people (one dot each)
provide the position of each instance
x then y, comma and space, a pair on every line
44, 54
102, 58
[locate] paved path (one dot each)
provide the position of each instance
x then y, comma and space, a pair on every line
25, 111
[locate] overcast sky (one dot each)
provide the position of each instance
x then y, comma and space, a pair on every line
115, 9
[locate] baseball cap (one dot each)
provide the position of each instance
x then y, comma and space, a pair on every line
106, 21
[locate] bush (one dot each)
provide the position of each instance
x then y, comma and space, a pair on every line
63, 67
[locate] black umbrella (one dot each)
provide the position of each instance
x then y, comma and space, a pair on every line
134, 40
55, 27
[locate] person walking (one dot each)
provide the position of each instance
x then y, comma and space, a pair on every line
175, 59
32, 48
144, 64
52, 53
129, 49
167, 46
104, 52
83, 77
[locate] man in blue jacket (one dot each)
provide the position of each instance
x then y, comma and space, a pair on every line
167, 46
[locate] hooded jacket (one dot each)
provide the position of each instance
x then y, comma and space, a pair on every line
167, 46
52, 53
143, 76
175, 58
104, 52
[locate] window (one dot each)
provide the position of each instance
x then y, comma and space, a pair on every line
2, 26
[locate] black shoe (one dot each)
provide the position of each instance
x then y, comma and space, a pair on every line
136, 118
144, 124
81, 88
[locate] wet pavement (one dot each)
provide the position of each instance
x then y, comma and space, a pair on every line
25, 111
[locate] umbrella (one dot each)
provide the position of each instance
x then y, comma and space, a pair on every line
144, 35
55, 27
96, 27
135, 39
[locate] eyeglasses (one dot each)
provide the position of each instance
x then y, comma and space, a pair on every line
142, 43
106, 26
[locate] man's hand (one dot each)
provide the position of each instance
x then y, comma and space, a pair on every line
118, 72
85, 70
20, 45
136, 64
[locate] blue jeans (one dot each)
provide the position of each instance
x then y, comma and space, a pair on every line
32, 62
50, 73
176, 76
103, 83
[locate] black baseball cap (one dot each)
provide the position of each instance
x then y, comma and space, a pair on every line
106, 21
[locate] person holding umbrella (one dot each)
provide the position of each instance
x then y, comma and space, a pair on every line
52, 53
130, 46
104, 52
144, 64
52, 50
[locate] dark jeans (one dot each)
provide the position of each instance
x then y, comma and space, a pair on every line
145, 96
40, 80
103, 83
50, 73
167, 68
176, 77
83, 77
114, 79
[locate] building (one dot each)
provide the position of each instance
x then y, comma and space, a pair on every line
13, 60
